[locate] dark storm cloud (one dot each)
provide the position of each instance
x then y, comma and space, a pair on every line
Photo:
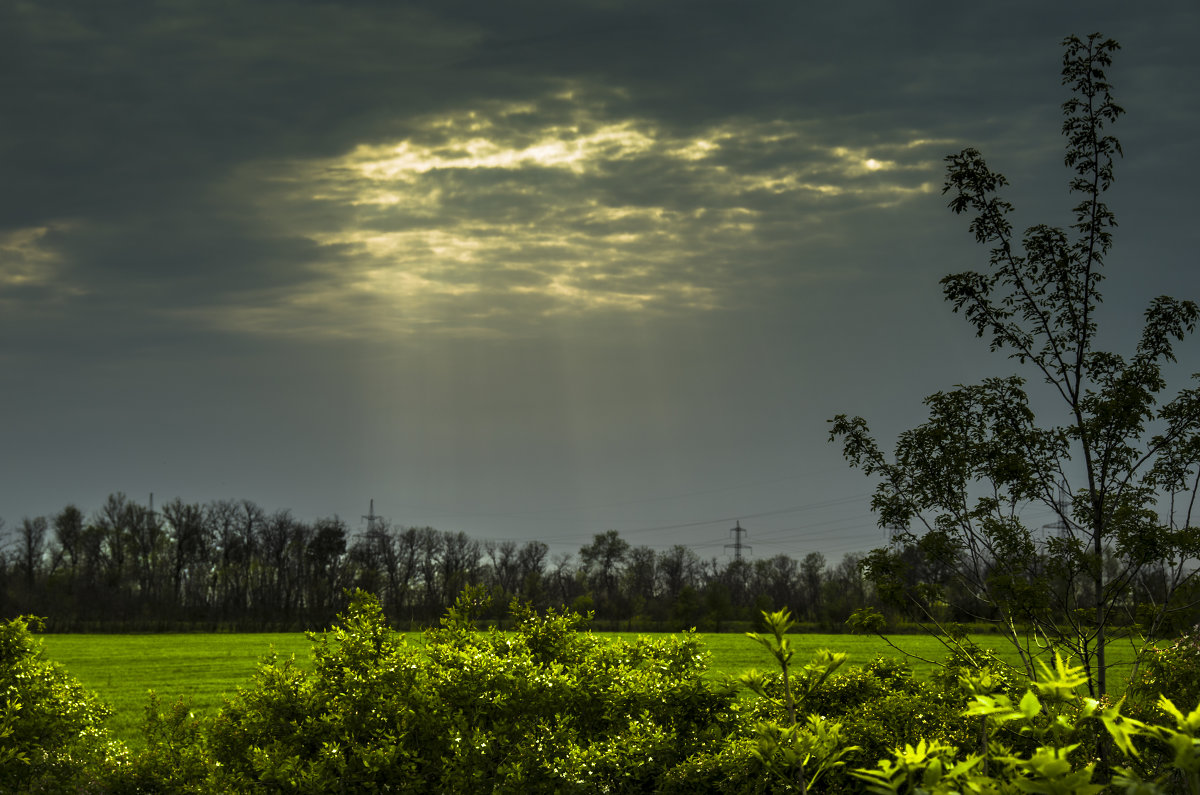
657, 232
122, 123
693, 62
128, 125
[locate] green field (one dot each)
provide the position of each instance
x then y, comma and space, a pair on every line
123, 669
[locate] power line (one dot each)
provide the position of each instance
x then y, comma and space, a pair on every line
624, 503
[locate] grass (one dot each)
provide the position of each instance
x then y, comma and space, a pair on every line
202, 668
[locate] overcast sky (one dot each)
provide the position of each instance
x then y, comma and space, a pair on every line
532, 270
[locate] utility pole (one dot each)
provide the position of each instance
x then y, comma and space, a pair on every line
737, 544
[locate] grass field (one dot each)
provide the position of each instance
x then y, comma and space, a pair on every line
123, 669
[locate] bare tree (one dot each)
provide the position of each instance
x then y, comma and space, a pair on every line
32, 548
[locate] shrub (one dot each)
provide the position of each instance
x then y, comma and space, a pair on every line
51, 729
174, 760
870, 709
546, 708
1173, 671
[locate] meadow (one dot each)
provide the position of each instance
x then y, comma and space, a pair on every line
202, 668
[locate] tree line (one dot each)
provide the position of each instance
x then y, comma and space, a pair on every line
233, 565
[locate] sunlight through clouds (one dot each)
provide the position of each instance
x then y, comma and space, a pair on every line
489, 220
28, 260
558, 148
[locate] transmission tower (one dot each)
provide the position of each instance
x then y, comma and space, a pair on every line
1060, 527
737, 544
371, 517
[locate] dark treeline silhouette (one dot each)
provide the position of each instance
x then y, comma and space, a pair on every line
230, 565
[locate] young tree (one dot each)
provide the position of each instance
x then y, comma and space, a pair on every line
962, 484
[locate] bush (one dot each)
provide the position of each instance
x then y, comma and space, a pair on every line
175, 759
51, 733
877, 708
545, 709
1173, 671
551, 708
1054, 721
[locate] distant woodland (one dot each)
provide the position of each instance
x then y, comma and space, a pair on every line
232, 566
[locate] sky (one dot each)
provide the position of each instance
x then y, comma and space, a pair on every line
533, 270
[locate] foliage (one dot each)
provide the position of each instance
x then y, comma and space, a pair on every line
51, 729
1056, 722
1047, 714
547, 708
809, 679
958, 486
882, 705
793, 750
1172, 671
553, 708
228, 565
175, 758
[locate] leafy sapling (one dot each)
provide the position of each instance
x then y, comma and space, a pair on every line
1116, 463
800, 752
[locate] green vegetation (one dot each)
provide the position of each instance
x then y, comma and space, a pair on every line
547, 708
203, 668
1113, 456
51, 728
123, 669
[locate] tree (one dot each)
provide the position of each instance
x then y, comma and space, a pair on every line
531, 567
68, 529
459, 564
503, 559
32, 537
639, 578
678, 568
966, 480
234, 528
429, 549
812, 576
113, 525
324, 556
566, 584
189, 544
603, 562
777, 579
147, 543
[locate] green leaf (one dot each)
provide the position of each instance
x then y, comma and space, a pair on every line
1030, 706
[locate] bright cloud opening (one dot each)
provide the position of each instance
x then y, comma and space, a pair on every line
516, 207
